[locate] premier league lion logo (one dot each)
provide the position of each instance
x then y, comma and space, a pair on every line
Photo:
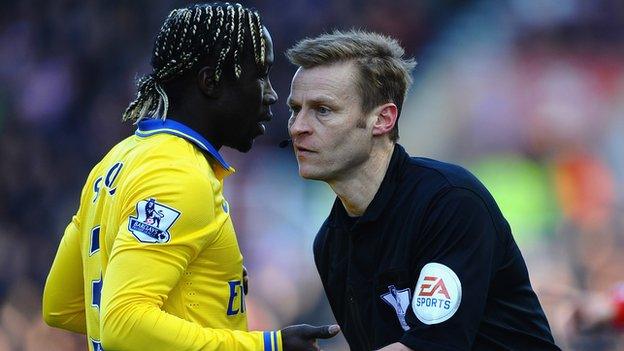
152, 217
152, 222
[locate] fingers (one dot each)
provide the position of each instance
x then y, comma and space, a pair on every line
245, 281
323, 332
303, 336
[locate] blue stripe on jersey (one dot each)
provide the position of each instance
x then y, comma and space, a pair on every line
267, 341
155, 126
95, 240
97, 346
275, 341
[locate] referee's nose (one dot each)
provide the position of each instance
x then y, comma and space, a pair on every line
298, 124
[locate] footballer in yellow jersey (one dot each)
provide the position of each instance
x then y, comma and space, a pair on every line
155, 205
150, 261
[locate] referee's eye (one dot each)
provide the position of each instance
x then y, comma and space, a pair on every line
323, 110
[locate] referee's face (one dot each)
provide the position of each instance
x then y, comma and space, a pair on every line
331, 135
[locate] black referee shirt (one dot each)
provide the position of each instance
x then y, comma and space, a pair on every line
432, 264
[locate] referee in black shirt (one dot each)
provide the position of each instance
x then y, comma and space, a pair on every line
415, 254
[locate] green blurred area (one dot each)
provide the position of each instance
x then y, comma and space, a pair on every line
524, 192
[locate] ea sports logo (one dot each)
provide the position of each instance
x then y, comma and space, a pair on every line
426, 289
438, 294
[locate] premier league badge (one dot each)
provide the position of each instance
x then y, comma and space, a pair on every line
152, 221
400, 301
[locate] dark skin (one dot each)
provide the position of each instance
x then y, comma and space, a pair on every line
230, 112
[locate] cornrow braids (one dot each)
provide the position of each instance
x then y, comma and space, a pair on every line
239, 40
262, 43
253, 30
227, 35
214, 32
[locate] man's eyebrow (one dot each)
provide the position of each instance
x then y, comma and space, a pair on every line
317, 100
322, 99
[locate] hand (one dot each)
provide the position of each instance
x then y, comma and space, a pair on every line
303, 337
245, 281
397, 346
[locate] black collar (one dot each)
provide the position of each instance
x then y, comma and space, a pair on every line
382, 197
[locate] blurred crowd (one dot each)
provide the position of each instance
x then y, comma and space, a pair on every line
529, 95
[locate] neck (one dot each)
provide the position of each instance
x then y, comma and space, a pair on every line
200, 122
357, 189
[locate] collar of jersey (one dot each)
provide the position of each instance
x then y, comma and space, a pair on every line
149, 127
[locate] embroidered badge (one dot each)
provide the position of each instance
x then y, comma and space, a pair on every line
400, 301
438, 294
152, 222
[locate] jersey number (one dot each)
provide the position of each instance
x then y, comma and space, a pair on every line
96, 292
96, 285
109, 181
95, 240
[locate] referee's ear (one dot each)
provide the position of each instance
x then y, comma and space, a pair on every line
385, 118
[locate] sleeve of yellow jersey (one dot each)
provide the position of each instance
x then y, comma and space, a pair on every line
63, 296
140, 275
63, 304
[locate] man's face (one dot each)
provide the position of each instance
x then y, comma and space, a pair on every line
331, 135
247, 101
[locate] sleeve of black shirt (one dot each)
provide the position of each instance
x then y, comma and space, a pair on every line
459, 233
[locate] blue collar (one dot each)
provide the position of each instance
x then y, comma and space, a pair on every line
149, 127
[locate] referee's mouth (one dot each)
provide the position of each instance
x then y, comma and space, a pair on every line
302, 150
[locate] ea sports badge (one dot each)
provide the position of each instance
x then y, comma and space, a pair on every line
437, 295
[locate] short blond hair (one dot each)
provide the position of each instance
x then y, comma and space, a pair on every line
384, 75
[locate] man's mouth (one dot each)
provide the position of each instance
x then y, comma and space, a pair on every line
262, 123
302, 149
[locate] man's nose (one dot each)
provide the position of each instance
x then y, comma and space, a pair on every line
271, 96
298, 125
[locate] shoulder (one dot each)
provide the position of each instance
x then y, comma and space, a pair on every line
440, 178
442, 173
432, 185
167, 160
166, 151
177, 182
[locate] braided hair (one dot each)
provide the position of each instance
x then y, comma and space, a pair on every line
190, 35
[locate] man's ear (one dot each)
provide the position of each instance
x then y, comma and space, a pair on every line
207, 83
385, 118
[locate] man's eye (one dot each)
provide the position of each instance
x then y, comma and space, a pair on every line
322, 110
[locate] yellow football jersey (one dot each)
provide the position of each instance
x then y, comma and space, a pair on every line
150, 261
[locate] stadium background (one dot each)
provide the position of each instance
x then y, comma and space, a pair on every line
529, 95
